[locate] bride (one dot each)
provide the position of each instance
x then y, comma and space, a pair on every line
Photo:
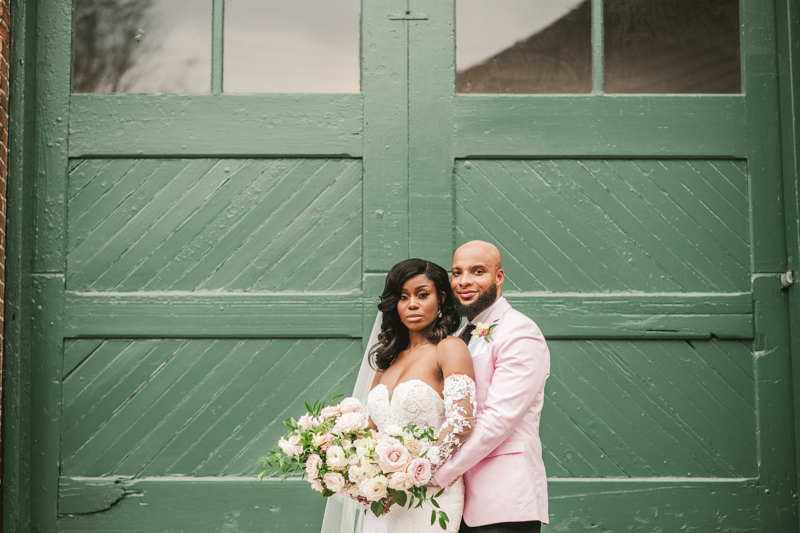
423, 377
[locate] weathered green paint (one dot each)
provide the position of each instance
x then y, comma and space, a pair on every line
18, 309
431, 79
384, 84
197, 125
774, 406
204, 263
211, 314
588, 126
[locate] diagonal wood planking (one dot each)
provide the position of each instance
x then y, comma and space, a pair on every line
600, 225
650, 409
247, 225
190, 406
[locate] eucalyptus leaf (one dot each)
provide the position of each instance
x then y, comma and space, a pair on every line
433, 517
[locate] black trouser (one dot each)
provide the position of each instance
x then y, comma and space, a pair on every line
503, 527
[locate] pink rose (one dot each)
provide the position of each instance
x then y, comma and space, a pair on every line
350, 422
334, 481
330, 411
316, 484
420, 471
400, 481
312, 466
350, 405
392, 456
292, 446
306, 422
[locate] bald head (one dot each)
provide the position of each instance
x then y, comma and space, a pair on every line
477, 277
487, 251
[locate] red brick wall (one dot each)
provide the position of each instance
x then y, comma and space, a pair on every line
5, 61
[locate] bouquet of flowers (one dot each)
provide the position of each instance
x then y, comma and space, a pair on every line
335, 447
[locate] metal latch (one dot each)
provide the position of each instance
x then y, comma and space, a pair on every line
408, 16
787, 279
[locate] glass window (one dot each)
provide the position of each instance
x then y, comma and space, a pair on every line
297, 46
142, 46
523, 46
672, 46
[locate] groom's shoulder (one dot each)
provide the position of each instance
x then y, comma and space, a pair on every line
519, 320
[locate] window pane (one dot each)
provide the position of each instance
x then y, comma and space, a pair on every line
142, 46
672, 46
523, 46
292, 46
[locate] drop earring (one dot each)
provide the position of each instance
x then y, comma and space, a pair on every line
440, 313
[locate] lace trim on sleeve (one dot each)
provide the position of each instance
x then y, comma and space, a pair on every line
459, 407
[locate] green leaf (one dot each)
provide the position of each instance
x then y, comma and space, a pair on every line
435, 503
442, 523
309, 407
399, 496
439, 493
433, 517
377, 508
328, 493
442, 513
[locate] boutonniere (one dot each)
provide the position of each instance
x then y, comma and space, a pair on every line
484, 331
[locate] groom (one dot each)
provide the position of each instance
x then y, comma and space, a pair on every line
506, 486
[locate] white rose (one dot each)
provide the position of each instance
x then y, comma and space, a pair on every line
356, 474
334, 481
351, 405
400, 481
361, 451
370, 469
374, 488
393, 430
350, 422
286, 447
346, 444
353, 459
336, 456
292, 446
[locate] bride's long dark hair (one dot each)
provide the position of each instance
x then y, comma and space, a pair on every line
393, 337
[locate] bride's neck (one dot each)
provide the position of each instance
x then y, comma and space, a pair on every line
417, 339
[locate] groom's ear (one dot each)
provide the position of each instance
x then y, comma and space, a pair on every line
500, 276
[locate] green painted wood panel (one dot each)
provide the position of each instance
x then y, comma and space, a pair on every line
600, 225
650, 409
608, 126
213, 314
201, 125
190, 406
234, 504
240, 225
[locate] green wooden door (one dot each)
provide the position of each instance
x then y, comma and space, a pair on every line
203, 264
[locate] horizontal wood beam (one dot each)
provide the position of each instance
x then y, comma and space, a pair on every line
212, 504
263, 315
625, 315
215, 125
600, 126
212, 315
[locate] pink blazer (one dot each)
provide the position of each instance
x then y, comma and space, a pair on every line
501, 462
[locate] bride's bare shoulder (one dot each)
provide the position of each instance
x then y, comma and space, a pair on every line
453, 356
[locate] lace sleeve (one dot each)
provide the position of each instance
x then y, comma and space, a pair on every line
459, 408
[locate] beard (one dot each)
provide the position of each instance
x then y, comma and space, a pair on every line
483, 301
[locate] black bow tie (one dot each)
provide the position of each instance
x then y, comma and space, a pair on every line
467, 335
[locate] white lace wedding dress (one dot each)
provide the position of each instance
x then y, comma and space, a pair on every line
416, 402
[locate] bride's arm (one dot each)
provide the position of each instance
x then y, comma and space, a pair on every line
375, 381
459, 400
